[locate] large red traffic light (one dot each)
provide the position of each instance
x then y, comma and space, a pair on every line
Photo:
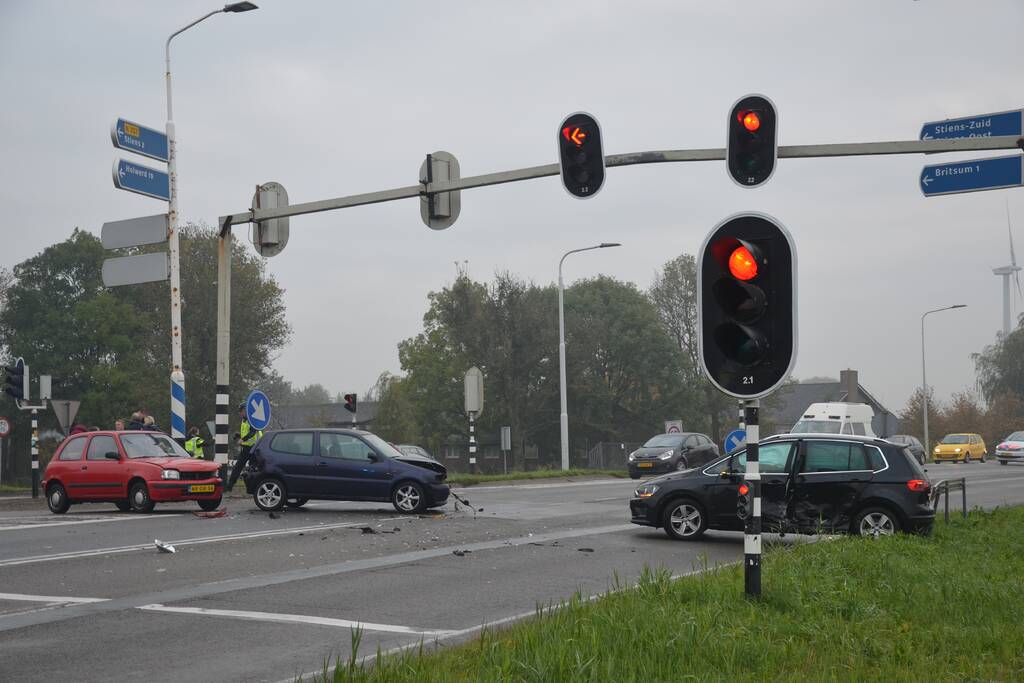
747, 305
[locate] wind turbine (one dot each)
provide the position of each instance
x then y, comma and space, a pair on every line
1006, 271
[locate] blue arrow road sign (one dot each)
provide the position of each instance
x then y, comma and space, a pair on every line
257, 410
981, 126
736, 439
139, 139
971, 176
142, 180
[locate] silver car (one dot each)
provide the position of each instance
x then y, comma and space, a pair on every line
1011, 449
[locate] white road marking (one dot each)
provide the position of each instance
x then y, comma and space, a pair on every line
184, 542
96, 520
49, 598
520, 487
298, 619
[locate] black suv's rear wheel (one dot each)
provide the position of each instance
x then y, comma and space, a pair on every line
684, 520
875, 522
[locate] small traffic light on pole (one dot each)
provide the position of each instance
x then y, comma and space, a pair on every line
752, 145
350, 403
581, 155
746, 297
745, 501
17, 380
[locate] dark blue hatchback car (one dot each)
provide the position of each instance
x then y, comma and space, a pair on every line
290, 467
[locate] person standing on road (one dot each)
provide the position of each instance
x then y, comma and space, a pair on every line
246, 437
194, 444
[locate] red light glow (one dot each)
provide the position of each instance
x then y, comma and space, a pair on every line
744, 489
742, 264
575, 135
751, 121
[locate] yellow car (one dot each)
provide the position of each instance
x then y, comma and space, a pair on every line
962, 447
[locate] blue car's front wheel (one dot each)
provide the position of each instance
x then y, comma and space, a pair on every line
408, 497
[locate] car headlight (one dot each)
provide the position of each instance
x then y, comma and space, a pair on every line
646, 491
632, 456
170, 474
956, 450
667, 454
936, 449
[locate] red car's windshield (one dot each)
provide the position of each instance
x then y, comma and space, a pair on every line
151, 445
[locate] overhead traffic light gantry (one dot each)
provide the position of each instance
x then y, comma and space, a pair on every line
752, 146
747, 300
581, 155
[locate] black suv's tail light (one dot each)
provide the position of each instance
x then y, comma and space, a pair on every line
918, 485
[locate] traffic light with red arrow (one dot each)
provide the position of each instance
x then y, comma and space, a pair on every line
581, 155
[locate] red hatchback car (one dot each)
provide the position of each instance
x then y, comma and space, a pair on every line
134, 470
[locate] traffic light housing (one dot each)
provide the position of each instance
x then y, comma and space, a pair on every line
17, 377
350, 403
746, 295
752, 146
581, 155
745, 500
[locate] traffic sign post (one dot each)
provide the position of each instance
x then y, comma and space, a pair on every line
134, 232
257, 410
980, 126
474, 404
973, 176
133, 137
132, 270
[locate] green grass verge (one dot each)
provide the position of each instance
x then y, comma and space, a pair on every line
464, 479
945, 607
7, 488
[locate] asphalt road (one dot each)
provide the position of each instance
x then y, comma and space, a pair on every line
86, 596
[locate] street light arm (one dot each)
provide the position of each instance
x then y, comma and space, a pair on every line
182, 30
603, 245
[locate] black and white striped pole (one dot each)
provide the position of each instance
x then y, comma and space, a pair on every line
752, 527
472, 444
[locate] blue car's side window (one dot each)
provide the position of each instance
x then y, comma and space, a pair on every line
295, 443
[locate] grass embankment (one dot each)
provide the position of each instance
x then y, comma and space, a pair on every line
947, 607
465, 479
8, 488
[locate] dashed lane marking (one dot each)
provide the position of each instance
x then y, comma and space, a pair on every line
13, 562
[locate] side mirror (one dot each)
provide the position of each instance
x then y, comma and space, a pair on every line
112, 455
373, 457
724, 474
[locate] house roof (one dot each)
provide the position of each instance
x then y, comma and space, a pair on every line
322, 415
791, 400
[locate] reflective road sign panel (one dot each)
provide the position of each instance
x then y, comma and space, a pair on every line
142, 180
134, 232
139, 139
972, 176
131, 270
736, 439
981, 126
257, 410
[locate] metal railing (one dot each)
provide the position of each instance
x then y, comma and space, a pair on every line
944, 487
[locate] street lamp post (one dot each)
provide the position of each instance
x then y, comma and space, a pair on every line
564, 417
924, 381
177, 369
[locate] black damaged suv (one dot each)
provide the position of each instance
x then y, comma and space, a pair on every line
810, 483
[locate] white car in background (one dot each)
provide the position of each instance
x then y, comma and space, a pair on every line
1011, 449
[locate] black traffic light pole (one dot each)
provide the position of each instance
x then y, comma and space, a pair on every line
752, 525
18, 374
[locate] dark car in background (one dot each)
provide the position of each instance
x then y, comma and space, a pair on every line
912, 445
671, 452
290, 467
810, 483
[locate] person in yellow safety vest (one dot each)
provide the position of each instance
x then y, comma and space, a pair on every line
246, 437
194, 444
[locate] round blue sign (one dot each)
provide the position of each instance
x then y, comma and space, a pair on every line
257, 410
737, 438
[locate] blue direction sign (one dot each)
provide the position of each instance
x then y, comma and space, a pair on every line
981, 126
142, 180
737, 438
257, 410
972, 176
139, 139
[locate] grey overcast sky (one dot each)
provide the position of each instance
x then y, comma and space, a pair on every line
337, 98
